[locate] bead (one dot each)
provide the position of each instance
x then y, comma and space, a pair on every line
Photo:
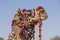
39, 35
29, 34
30, 26
11, 34
33, 32
26, 19
29, 10
21, 32
40, 23
13, 23
24, 10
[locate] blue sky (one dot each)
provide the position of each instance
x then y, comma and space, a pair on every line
51, 26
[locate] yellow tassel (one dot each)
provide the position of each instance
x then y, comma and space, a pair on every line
31, 19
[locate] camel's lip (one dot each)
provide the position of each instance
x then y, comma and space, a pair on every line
44, 17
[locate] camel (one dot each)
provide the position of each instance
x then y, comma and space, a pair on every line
24, 21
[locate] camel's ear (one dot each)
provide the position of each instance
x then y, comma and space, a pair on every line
17, 10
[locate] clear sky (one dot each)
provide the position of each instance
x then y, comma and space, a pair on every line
51, 26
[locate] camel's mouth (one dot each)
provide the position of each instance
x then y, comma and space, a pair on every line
44, 16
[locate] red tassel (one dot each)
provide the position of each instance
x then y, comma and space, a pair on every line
29, 34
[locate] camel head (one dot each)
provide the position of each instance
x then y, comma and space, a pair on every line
42, 13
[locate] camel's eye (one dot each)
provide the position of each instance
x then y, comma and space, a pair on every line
42, 11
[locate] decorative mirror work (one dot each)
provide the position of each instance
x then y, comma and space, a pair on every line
24, 21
